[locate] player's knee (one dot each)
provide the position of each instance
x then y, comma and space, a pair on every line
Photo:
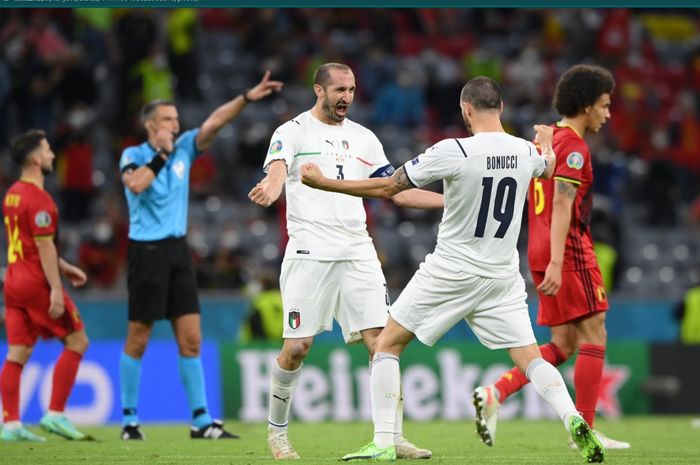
566, 345
299, 350
79, 344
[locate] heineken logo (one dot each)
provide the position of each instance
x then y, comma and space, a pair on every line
294, 319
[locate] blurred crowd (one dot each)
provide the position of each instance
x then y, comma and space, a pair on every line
83, 74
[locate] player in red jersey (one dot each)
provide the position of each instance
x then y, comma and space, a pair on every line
564, 268
35, 303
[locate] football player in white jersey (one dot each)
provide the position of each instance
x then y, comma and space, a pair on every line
473, 273
330, 268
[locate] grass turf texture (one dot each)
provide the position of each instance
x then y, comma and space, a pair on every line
655, 440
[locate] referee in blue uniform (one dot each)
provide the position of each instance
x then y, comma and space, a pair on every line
161, 278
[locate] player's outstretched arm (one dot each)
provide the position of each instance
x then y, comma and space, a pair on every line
75, 275
230, 110
381, 188
270, 188
419, 198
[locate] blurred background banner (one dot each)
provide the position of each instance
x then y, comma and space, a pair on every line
95, 398
437, 383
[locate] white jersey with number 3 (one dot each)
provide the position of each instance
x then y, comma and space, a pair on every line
326, 225
485, 178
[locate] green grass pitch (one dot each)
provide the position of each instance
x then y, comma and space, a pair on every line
655, 440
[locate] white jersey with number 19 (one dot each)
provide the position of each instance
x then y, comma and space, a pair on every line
485, 180
327, 226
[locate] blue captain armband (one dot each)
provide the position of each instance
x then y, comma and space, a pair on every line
383, 172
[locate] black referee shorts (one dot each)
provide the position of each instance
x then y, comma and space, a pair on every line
161, 280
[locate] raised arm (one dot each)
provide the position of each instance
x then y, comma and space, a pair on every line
544, 136
230, 110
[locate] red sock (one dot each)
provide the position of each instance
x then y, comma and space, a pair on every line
9, 390
514, 380
63, 379
587, 373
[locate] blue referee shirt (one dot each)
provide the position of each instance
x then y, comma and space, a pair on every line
160, 211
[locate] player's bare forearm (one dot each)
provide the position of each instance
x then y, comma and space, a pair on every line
550, 162
419, 198
267, 191
380, 188
544, 136
75, 275
564, 195
48, 256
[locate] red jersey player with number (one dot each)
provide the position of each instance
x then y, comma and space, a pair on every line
572, 298
35, 303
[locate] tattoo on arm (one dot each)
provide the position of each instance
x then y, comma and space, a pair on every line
401, 182
566, 188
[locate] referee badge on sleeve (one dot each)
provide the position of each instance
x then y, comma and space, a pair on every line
294, 319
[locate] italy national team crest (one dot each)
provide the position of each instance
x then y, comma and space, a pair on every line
575, 160
294, 319
346, 145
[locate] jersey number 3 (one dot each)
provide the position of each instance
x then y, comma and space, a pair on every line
502, 211
14, 243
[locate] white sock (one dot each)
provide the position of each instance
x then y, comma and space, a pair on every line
385, 391
12, 425
551, 387
398, 422
282, 385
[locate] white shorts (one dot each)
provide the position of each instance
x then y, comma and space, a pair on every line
314, 293
495, 309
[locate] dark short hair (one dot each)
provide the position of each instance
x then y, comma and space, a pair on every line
580, 87
26, 143
150, 108
483, 93
322, 76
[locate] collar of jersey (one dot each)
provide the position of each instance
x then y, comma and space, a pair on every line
562, 125
29, 181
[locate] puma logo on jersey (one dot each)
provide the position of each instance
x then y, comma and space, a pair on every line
332, 144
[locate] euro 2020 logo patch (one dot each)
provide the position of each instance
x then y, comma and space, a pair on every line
294, 318
575, 160
42, 219
276, 147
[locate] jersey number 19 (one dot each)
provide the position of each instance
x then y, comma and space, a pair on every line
502, 212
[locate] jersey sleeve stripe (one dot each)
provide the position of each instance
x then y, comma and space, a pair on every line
43, 237
461, 148
571, 180
364, 161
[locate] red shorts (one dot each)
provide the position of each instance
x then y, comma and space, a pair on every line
26, 322
582, 293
